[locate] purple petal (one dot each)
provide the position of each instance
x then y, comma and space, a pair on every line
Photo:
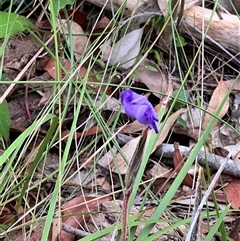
138, 107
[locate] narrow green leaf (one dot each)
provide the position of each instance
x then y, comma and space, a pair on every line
4, 121
13, 24
151, 68
58, 5
182, 98
180, 42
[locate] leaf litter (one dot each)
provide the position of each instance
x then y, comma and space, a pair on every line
103, 175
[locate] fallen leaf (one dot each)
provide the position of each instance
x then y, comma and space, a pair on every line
155, 80
215, 101
76, 212
167, 127
80, 42
75, 15
124, 51
179, 163
8, 214
232, 191
159, 171
133, 127
103, 23
236, 87
193, 118
128, 150
235, 232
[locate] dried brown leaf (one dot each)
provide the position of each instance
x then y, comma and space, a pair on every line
236, 87
152, 77
235, 232
179, 163
169, 124
232, 191
76, 212
80, 42
216, 99
128, 150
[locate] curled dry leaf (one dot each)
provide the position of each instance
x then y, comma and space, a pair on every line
192, 114
179, 163
80, 42
216, 99
124, 51
234, 150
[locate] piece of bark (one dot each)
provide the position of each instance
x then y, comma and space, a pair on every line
224, 31
232, 168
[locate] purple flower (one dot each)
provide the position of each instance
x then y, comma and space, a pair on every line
138, 107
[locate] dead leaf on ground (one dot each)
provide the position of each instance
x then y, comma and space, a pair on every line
133, 127
179, 163
216, 99
235, 232
120, 165
76, 15
103, 23
159, 171
164, 5
125, 51
152, 77
236, 87
161, 183
192, 118
232, 191
167, 127
76, 212
50, 67
224, 136
80, 42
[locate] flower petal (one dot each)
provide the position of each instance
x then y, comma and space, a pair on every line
138, 107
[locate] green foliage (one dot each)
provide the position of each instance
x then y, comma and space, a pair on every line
151, 68
136, 72
13, 24
58, 5
182, 98
4, 121
180, 42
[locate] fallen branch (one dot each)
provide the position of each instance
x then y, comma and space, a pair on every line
224, 31
231, 168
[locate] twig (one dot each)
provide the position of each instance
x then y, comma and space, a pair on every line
214, 161
74, 231
204, 199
